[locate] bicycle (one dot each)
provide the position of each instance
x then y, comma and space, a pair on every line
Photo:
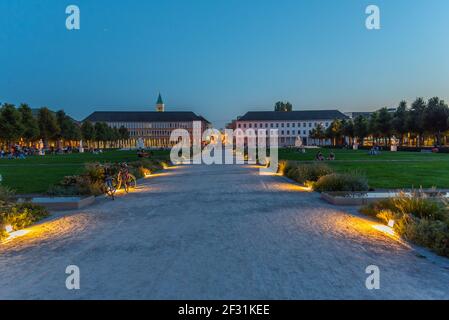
125, 178
110, 184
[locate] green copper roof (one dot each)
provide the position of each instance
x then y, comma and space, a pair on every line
159, 100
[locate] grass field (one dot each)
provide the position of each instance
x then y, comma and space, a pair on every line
387, 170
35, 174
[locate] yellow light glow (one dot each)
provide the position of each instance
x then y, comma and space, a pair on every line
391, 223
289, 187
385, 229
58, 228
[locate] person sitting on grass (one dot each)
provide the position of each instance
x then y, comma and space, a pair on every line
331, 156
319, 156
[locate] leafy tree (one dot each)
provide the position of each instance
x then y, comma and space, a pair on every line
335, 131
399, 121
88, 131
29, 123
415, 120
48, 126
347, 128
373, 129
436, 118
10, 124
318, 133
101, 132
124, 133
283, 106
384, 125
361, 128
70, 131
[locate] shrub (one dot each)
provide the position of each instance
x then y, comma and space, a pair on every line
420, 205
431, 234
6, 194
311, 172
24, 215
2, 227
416, 203
286, 166
418, 218
95, 171
19, 216
91, 182
342, 182
374, 208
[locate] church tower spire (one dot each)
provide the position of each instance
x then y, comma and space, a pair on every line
160, 106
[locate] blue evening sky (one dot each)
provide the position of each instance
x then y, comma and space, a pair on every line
221, 58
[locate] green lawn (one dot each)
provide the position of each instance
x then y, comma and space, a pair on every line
387, 170
35, 174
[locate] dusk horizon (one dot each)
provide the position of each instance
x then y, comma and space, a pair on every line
224, 158
221, 59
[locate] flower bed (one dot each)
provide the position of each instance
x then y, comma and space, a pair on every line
17, 216
417, 217
91, 181
322, 178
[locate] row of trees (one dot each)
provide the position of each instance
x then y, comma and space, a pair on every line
20, 125
409, 124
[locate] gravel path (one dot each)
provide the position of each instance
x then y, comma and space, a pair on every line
216, 232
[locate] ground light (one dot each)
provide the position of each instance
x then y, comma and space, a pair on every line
386, 229
14, 234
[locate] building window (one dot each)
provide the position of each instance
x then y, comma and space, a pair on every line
288, 125
271, 125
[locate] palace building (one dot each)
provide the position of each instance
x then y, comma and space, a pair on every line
291, 125
153, 127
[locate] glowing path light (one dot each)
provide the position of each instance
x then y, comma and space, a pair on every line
14, 234
388, 230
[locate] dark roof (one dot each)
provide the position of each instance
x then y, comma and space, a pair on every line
204, 119
142, 116
293, 115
